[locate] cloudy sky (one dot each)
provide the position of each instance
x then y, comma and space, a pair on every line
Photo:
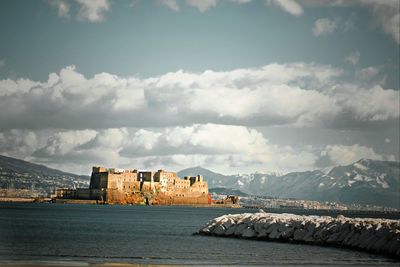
236, 86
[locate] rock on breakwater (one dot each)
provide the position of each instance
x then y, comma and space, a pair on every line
373, 235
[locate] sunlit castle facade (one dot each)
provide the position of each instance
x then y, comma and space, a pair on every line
112, 185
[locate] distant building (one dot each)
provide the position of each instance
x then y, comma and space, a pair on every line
133, 186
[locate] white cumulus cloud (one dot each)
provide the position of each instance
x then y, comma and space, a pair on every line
63, 143
386, 15
374, 104
367, 74
62, 7
93, 11
202, 5
344, 155
324, 26
224, 148
18, 143
353, 58
290, 6
298, 94
89, 10
172, 4
227, 148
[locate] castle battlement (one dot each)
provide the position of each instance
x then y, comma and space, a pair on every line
115, 183
97, 169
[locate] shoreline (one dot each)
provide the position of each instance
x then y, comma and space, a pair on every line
319, 212
60, 263
17, 200
95, 202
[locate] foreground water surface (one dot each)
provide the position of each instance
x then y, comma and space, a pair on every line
67, 234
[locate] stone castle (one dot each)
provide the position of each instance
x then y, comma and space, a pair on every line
111, 185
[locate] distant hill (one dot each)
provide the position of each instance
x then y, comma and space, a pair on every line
365, 182
214, 179
227, 191
16, 173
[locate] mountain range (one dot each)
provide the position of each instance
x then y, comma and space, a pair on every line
365, 181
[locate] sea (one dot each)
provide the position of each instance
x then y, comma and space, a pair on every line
36, 234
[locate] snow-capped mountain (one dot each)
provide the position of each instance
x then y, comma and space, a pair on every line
365, 182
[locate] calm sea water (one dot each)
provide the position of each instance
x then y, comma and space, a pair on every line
92, 234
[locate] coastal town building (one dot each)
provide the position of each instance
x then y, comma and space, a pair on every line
111, 185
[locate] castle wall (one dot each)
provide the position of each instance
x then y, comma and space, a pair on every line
83, 193
146, 176
199, 188
167, 180
66, 193
182, 200
98, 180
125, 181
125, 186
150, 187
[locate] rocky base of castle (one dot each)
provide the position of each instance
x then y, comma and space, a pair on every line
373, 235
150, 198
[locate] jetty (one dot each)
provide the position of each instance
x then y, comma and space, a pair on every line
380, 236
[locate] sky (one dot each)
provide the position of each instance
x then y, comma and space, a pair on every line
235, 86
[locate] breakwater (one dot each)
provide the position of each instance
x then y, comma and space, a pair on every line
369, 234
395, 215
